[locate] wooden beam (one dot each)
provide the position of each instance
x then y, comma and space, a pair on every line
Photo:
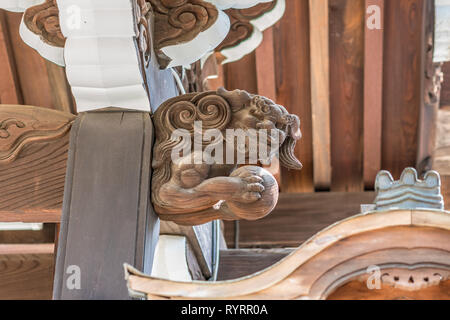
292, 74
235, 264
347, 20
26, 276
45, 235
373, 89
41, 248
9, 86
320, 92
298, 217
430, 93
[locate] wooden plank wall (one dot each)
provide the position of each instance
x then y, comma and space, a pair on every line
29, 79
402, 83
375, 88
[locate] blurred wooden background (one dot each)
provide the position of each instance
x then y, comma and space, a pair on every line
360, 94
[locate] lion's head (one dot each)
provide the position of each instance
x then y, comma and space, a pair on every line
222, 110
257, 112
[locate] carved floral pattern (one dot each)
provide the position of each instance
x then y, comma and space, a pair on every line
19, 128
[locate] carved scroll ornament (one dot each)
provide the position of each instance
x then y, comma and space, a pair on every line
191, 191
246, 28
21, 126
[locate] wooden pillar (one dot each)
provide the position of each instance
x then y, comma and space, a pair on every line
107, 217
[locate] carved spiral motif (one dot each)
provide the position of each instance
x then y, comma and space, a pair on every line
5, 124
214, 112
179, 21
43, 20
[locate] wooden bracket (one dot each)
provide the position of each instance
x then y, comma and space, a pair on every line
107, 214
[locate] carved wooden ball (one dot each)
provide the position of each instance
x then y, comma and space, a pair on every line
268, 200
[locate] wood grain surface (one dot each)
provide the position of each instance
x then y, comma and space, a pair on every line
373, 93
347, 91
320, 92
9, 88
292, 74
235, 264
296, 218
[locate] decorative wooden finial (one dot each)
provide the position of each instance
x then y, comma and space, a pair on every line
409, 192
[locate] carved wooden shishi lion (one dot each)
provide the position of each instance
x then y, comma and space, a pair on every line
190, 191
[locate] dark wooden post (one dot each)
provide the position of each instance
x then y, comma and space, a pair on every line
107, 214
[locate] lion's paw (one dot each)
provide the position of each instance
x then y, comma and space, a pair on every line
252, 187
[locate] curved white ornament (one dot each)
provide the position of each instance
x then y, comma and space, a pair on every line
101, 57
18, 5
170, 261
442, 31
260, 24
236, 4
186, 53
